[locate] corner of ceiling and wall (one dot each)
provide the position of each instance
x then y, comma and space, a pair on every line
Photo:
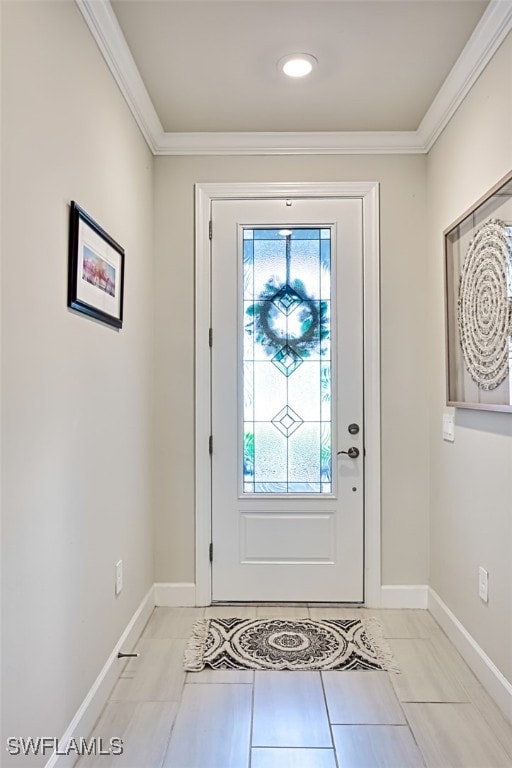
488, 35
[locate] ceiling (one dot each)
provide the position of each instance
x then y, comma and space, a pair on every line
211, 66
208, 68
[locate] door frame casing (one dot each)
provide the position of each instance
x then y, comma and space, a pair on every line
368, 192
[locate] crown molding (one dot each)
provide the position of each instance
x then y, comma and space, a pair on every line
493, 27
487, 37
296, 143
105, 29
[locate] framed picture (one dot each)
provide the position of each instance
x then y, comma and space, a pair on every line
96, 270
478, 283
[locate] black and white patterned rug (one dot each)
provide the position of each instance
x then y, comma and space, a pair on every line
278, 644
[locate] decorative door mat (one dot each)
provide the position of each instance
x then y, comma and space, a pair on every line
279, 644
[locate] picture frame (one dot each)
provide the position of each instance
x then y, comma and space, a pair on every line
478, 303
95, 270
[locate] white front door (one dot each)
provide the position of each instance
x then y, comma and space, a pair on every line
287, 398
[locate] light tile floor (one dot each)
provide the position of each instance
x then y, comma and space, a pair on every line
435, 714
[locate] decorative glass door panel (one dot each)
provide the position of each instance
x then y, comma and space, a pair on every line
286, 329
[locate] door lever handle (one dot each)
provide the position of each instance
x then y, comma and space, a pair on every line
353, 453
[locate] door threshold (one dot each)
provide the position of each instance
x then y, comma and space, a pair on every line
277, 604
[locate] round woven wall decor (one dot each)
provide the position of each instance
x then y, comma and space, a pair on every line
485, 304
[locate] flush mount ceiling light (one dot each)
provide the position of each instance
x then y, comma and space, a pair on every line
297, 64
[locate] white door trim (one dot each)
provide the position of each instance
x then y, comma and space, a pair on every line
369, 193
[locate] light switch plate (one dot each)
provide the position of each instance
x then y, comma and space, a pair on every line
119, 576
448, 427
483, 584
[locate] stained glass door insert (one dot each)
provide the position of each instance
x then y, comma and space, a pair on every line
287, 413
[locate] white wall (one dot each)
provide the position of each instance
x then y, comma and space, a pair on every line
471, 479
404, 370
76, 409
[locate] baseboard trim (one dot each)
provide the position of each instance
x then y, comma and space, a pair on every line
475, 657
403, 596
91, 707
174, 595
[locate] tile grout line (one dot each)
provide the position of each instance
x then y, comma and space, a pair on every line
249, 764
171, 729
333, 745
468, 689
166, 750
329, 721
401, 705
497, 731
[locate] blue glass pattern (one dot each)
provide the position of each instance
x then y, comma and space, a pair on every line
287, 446
287, 360
286, 299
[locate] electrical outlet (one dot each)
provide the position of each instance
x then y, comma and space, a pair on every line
448, 427
119, 576
483, 584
